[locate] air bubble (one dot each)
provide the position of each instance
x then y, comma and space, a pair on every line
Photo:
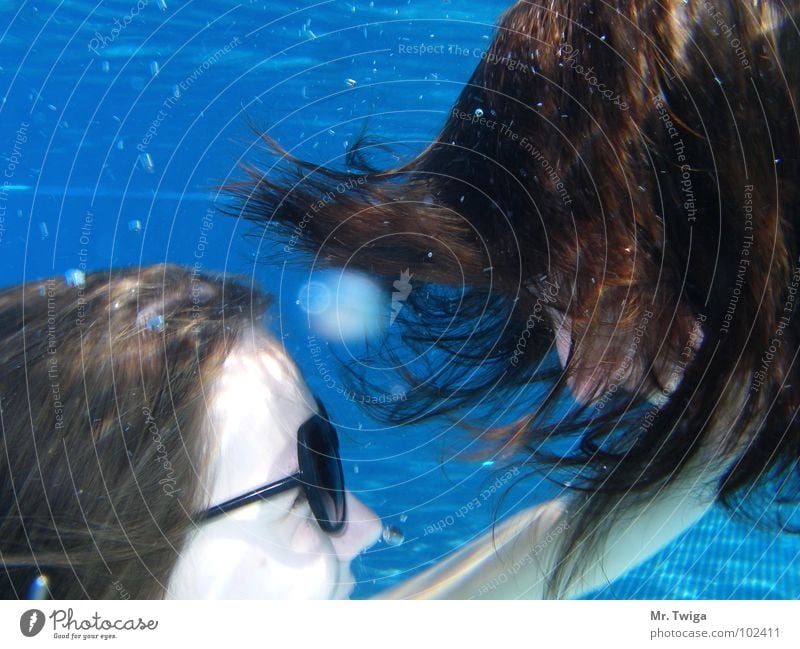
135, 225
479, 112
155, 323
146, 160
393, 536
43, 230
39, 588
75, 277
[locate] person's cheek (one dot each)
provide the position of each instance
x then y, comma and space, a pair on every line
362, 531
294, 560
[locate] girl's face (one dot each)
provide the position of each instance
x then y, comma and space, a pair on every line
272, 548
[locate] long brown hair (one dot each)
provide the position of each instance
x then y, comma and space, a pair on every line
103, 399
626, 170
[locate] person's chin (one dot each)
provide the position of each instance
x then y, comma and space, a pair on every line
345, 585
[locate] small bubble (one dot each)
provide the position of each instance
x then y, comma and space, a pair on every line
155, 323
75, 277
120, 145
355, 469
135, 225
43, 230
162, 4
430, 254
146, 160
479, 112
105, 66
154, 68
350, 82
39, 588
392, 536
488, 463
403, 518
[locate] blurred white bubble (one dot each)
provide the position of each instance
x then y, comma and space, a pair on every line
314, 298
135, 225
342, 306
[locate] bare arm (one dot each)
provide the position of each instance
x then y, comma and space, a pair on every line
513, 560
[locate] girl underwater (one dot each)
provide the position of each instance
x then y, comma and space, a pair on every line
609, 215
158, 443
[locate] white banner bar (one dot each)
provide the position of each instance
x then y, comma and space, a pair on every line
386, 624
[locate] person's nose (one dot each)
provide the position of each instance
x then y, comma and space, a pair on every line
363, 530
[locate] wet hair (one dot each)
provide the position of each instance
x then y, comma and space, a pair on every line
626, 171
105, 441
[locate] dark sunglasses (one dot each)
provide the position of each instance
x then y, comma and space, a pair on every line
320, 476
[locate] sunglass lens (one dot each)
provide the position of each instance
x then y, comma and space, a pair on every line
322, 472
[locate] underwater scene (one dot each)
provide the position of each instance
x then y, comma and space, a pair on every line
531, 284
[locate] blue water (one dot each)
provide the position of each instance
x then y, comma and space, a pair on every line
113, 140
